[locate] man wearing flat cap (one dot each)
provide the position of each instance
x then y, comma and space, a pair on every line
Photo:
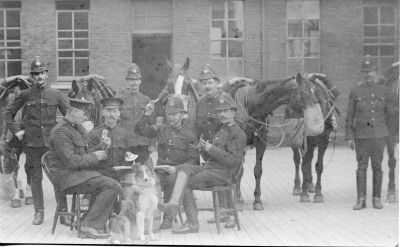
74, 168
370, 109
132, 110
226, 155
111, 137
176, 145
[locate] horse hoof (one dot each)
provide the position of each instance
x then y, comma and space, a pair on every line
304, 198
318, 198
311, 188
391, 197
258, 206
296, 191
15, 203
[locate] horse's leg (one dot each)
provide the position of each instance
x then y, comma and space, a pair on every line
260, 149
322, 142
391, 195
296, 159
306, 170
239, 198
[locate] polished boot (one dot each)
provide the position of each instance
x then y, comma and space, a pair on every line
38, 218
29, 200
376, 189
361, 189
187, 228
65, 220
166, 223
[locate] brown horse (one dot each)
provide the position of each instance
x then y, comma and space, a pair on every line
391, 79
256, 102
325, 92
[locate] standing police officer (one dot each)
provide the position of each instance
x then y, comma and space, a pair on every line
369, 111
40, 104
133, 109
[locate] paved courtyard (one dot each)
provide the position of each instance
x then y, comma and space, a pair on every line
285, 221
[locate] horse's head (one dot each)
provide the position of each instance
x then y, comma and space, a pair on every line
85, 89
178, 75
301, 95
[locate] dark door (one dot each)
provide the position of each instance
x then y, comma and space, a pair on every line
150, 53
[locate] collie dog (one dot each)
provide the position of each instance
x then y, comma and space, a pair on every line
137, 208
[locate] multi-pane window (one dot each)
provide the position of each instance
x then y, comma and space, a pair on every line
10, 42
227, 37
303, 36
72, 42
380, 32
152, 16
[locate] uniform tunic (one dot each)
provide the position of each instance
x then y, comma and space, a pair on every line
131, 112
116, 152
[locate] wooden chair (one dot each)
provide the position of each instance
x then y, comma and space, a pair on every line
76, 204
231, 188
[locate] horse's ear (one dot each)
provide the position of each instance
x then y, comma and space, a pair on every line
169, 64
185, 67
74, 86
89, 85
299, 79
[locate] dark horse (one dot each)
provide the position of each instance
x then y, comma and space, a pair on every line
92, 88
325, 92
256, 102
391, 79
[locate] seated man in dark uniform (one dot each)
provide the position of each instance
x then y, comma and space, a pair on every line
226, 156
73, 168
110, 136
175, 145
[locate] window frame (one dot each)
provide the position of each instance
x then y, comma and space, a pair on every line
73, 38
5, 47
226, 20
303, 58
152, 31
395, 44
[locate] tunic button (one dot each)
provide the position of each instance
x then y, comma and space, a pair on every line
372, 110
372, 119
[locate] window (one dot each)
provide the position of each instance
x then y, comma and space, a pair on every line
380, 32
303, 36
227, 37
152, 16
10, 41
72, 39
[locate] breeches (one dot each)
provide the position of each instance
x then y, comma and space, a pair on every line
370, 148
33, 169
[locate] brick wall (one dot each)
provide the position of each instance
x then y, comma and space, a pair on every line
110, 39
38, 34
191, 34
275, 39
341, 50
253, 57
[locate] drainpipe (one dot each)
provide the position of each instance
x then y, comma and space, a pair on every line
263, 38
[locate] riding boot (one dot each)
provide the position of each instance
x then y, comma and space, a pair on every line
361, 189
376, 189
171, 208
